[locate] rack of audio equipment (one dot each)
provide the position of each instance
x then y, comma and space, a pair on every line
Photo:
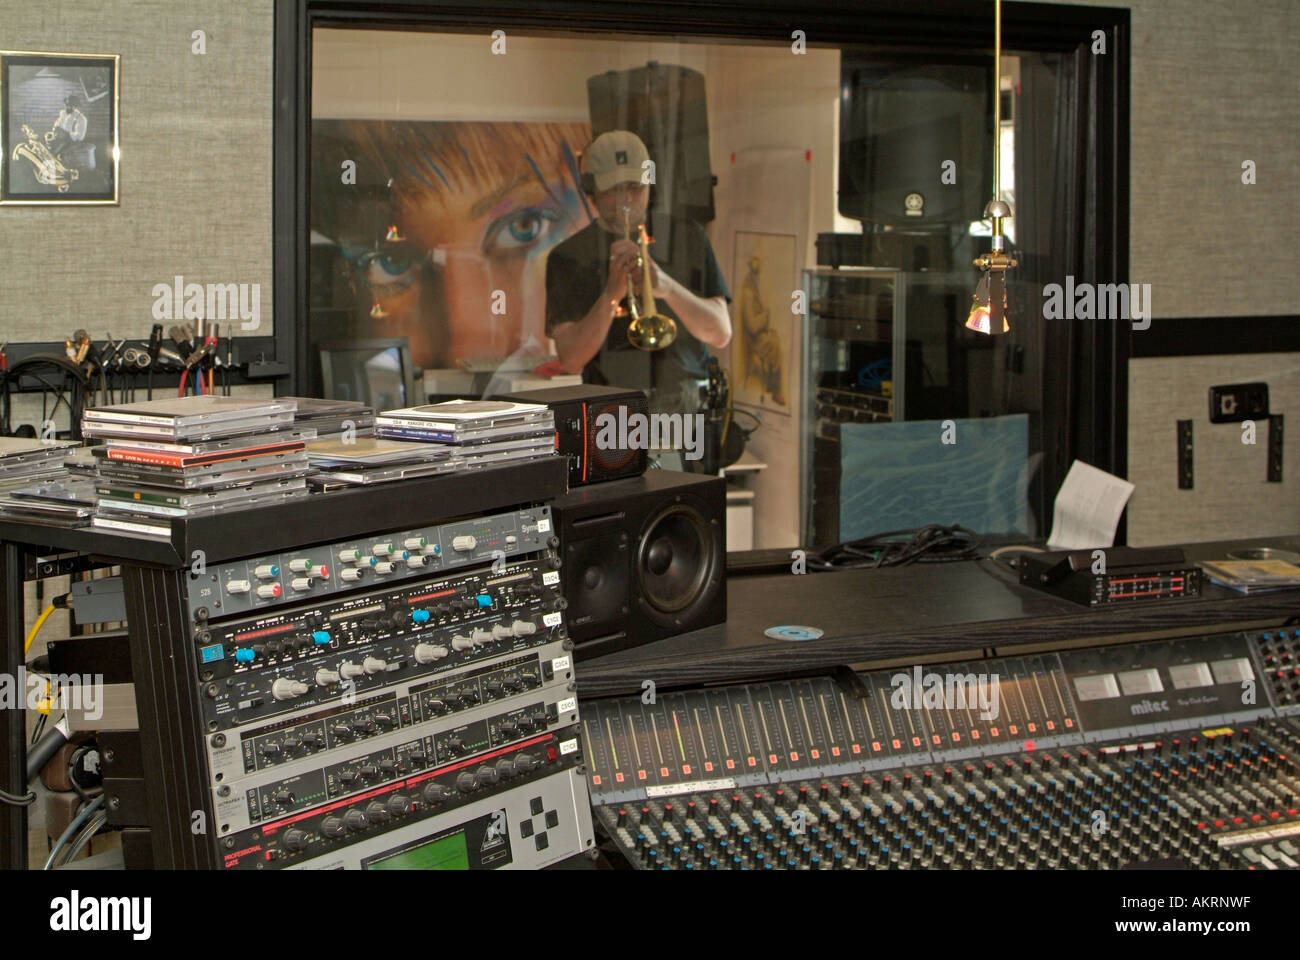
362, 678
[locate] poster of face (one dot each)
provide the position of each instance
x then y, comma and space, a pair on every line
439, 231
763, 273
58, 127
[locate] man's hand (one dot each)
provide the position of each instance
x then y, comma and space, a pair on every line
622, 260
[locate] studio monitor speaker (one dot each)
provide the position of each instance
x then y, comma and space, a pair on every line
577, 412
643, 558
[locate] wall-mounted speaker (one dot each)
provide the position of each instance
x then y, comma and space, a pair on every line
577, 410
643, 558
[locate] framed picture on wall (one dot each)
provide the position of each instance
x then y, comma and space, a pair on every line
760, 347
58, 128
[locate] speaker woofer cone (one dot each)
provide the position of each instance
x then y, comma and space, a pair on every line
677, 560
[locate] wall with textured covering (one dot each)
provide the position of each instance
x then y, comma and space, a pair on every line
1214, 84
195, 181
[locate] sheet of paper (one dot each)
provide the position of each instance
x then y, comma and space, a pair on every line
1088, 508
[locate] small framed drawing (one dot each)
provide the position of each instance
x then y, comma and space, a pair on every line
58, 128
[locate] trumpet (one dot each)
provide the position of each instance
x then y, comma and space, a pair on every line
647, 330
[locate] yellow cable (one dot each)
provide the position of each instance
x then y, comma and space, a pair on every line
36, 628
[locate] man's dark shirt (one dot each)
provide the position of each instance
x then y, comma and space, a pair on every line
575, 278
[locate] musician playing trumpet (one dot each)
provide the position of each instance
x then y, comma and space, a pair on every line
587, 285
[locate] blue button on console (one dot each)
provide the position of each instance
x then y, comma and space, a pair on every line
420, 616
484, 600
244, 654
321, 637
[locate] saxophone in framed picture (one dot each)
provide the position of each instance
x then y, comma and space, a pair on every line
49, 169
58, 128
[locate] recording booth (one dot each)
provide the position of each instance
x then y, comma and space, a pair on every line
436, 562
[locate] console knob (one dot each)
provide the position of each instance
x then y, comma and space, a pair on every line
355, 820
382, 549
287, 689
351, 555
373, 665
523, 628
505, 768
415, 543
349, 670
467, 782
480, 636
268, 591
414, 562
463, 544
325, 678
266, 571
294, 839
487, 775
300, 565
525, 762
428, 652
383, 567
376, 812
300, 583
399, 803
331, 826
433, 793
238, 586
352, 574
461, 642
342, 731
501, 632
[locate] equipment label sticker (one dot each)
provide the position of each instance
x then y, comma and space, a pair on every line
568, 746
551, 577
213, 652
544, 525
551, 619
567, 706
560, 663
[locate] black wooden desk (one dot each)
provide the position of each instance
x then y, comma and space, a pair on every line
915, 611
154, 573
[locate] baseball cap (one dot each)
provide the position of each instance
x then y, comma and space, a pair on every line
616, 157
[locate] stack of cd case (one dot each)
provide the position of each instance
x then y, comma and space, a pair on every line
376, 460
165, 460
67, 501
438, 438
25, 461
334, 417
467, 421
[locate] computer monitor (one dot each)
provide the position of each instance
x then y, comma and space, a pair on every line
378, 372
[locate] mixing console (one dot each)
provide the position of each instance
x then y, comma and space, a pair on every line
1093, 759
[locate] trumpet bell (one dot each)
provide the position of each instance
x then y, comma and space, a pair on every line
654, 332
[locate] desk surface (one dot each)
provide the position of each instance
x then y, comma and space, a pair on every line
918, 610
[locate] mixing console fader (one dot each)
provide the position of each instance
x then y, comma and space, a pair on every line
428, 722
1169, 752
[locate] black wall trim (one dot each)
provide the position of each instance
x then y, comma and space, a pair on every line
1209, 336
